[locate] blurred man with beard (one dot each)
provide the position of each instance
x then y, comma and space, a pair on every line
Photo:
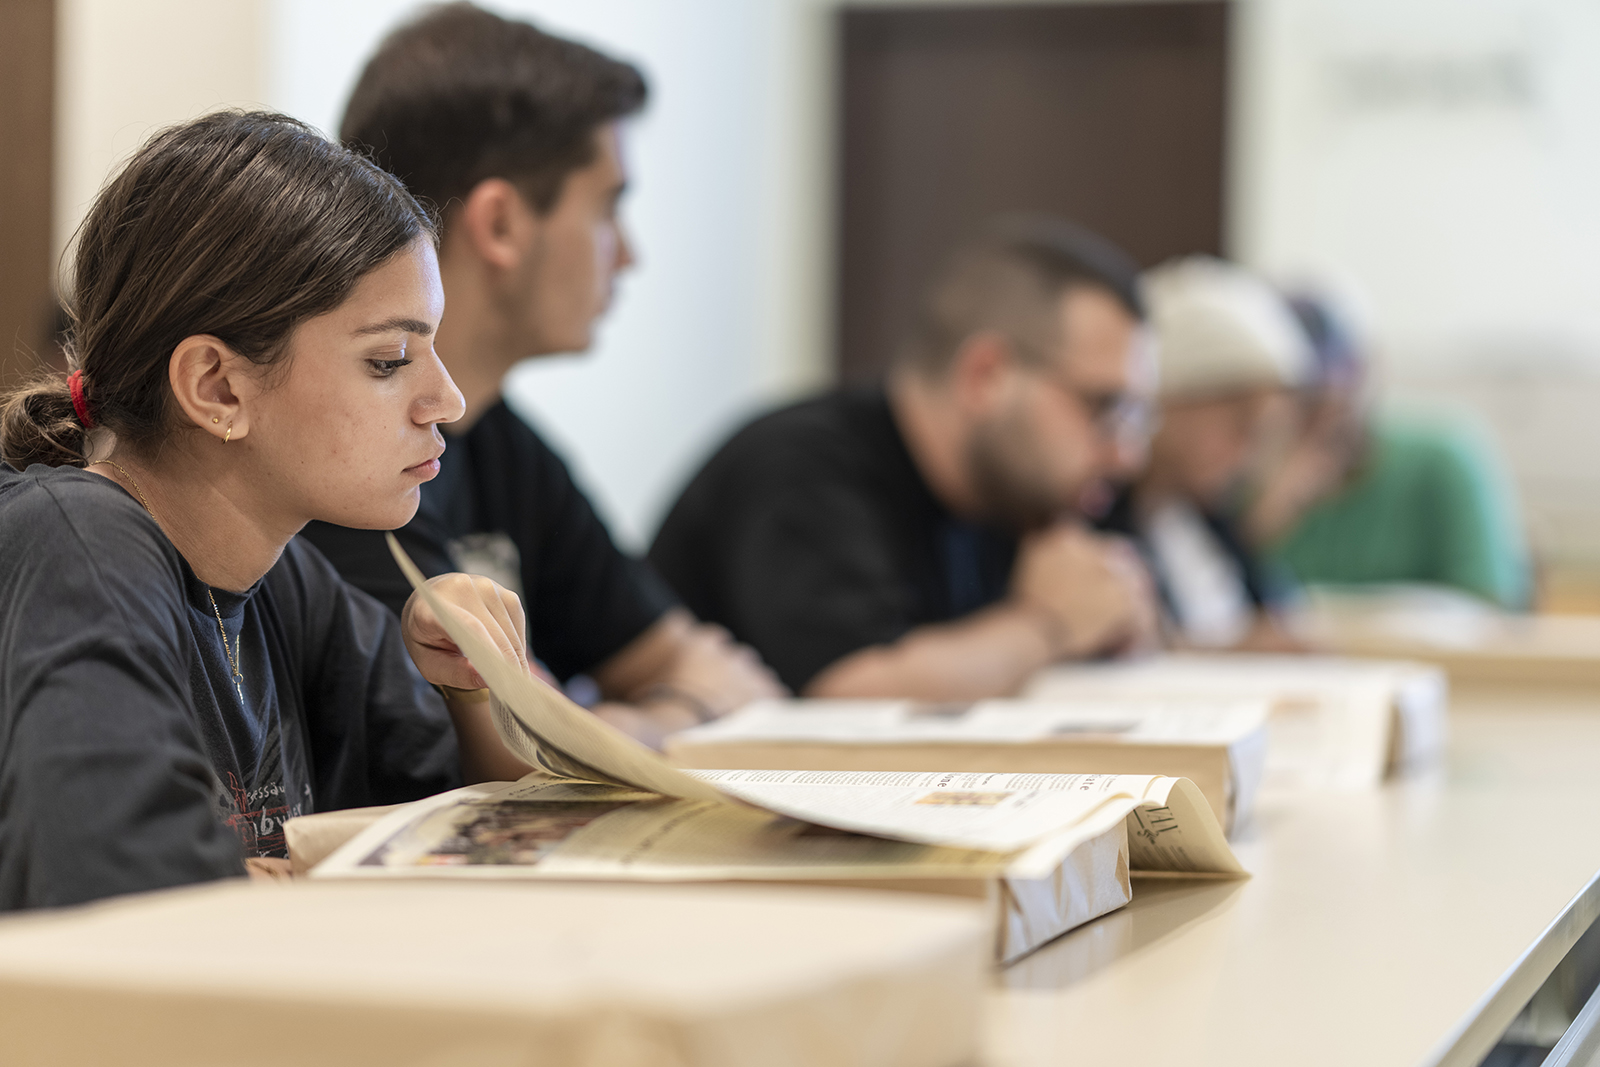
922, 539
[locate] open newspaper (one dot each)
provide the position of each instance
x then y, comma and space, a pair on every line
973, 835
1051, 851
1334, 721
1218, 745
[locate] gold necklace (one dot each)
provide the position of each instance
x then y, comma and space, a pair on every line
233, 653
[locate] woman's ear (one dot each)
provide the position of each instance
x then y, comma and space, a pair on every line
213, 385
496, 224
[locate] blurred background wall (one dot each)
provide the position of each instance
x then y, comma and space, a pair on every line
1443, 156
1436, 158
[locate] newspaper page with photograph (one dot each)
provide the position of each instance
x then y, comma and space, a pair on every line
944, 825
1056, 850
1219, 745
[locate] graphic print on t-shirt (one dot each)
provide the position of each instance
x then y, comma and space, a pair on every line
256, 810
493, 555
258, 816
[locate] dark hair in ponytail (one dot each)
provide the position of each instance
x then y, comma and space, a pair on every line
241, 225
38, 425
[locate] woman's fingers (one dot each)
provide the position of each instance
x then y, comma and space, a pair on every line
508, 635
436, 655
512, 604
492, 613
474, 603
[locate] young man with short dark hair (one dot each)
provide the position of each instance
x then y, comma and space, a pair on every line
922, 540
514, 135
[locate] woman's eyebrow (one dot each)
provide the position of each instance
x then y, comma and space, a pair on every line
405, 325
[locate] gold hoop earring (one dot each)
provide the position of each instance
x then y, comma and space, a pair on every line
229, 435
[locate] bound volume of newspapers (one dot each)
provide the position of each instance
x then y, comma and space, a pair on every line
1334, 721
1048, 851
428, 974
1219, 746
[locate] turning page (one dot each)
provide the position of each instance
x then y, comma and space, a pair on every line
541, 725
993, 813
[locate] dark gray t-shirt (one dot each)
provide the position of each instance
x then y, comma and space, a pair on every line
130, 758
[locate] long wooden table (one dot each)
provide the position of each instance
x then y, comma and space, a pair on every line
1404, 925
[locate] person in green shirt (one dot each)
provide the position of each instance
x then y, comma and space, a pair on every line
1387, 497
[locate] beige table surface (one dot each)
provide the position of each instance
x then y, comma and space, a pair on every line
1375, 923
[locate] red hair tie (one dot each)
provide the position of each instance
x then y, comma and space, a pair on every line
79, 404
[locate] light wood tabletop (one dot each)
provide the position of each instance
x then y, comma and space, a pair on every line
1402, 925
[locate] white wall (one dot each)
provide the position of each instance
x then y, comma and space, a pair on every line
125, 69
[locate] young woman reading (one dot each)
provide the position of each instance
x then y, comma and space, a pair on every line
252, 318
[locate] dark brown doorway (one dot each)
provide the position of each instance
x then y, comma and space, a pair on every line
27, 76
1113, 115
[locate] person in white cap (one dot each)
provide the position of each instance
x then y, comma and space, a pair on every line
1230, 350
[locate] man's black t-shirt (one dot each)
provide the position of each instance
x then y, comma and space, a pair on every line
130, 758
504, 497
811, 535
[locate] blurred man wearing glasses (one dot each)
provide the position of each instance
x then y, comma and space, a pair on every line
925, 539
